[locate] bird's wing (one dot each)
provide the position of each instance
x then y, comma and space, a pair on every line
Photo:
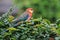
22, 17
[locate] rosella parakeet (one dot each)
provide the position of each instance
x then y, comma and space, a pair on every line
26, 16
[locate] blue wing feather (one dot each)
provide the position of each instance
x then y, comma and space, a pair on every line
23, 17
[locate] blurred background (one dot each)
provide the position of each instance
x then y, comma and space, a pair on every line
49, 9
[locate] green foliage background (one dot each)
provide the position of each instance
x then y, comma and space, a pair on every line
37, 29
49, 9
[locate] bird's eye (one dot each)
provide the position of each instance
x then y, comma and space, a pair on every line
31, 9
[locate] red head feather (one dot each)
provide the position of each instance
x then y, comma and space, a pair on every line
30, 10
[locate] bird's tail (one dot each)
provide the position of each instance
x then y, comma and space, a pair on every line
16, 24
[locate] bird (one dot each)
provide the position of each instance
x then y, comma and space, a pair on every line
26, 16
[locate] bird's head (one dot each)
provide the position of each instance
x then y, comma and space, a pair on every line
29, 10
